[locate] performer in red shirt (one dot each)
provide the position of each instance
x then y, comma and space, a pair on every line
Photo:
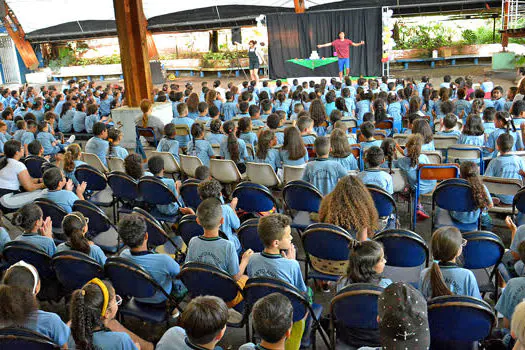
342, 47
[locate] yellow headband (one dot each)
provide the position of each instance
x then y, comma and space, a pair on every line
105, 293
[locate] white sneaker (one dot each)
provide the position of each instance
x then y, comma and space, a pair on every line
71, 139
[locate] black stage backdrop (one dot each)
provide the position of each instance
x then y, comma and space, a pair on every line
296, 35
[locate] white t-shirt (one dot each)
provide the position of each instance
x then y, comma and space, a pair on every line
9, 175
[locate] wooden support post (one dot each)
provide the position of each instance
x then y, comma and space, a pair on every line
153, 53
17, 34
300, 6
131, 31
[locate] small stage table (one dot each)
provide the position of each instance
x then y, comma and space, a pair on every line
312, 64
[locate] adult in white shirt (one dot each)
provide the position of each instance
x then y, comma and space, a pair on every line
13, 173
221, 91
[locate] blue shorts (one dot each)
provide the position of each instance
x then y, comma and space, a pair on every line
343, 62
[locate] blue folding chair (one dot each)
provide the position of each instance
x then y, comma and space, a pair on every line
157, 235
100, 228
249, 237
259, 287
437, 172
154, 192
125, 191
204, 279
23, 338
453, 195
407, 255
254, 198
483, 254
354, 309
326, 249
97, 190
385, 205
190, 194
357, 151
303, 198
74, 269
458, 322
189, 228
34, 166
56, 213
15, 251
132, 281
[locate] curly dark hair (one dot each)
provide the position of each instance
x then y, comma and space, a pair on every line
133, 166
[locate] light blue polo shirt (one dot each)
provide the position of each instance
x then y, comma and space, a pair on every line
324, 174
228, 110
27, 137
98, 146
65, 123
79, 121
47, 139
169, 145
94, 252
50, 325
506, 166
471, 140
493, 137
215, 139
410, 173
285, 158
183, 140
460, 281
231, 223
119, 152
63, 198
378, 178
272, 157
349, 162
201, 149
215, 251
243, 152
249, 138
175, 339
45, 244
4, 238
512, 295
90, 121
276, 266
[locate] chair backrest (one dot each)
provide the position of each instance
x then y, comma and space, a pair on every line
434, 157
457, 318
15, 251
170, 163
130, 279
326, 247
398, 180
145, 132
34, 166
484, 249
190, 193
349, 123
249, 237
403, 248
53, 210
251, 151
204, 279
384, 202
385, 125
23, 338
156, 233
98, 220
116, 164
189, 228
95, 179
188, 164
357, 151
74, 269
442, 142
259, 287
457, 152
454, 195
302, 196
225, 171
155, 192
401, 139
437, 171
355, 306
262, 174
93, 160
292, 173
254, 198
124, 187
216, 149
502, 186
182, 130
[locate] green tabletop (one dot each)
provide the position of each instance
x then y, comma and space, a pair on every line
312, 64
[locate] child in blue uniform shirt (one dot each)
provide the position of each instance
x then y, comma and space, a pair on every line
506, 165
99, 144
65, 120
265, 152
36, 230
28, 135
51, 145
72, 161
473, 132
278, 260
79, 118
340, 150
21, 285
244, 131
488, 117
168, 143
105, 104
267, 108
92, 117
449, 123
305, 124
204, 321
504, 124
233, 148
203, 113
163, 269
255, 115
274, 123
115, 150
156, 167
229, 108
215, 137
199, 147
60, 189
243, 110
323, 173
445, 277
212, 189
21, 128
462, 106
373, 175
367, 130
92, 308
183, 119
293, 152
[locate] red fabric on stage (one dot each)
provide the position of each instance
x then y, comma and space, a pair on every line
342, 47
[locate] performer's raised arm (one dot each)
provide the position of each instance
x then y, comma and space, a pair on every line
324, 45
358, 44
